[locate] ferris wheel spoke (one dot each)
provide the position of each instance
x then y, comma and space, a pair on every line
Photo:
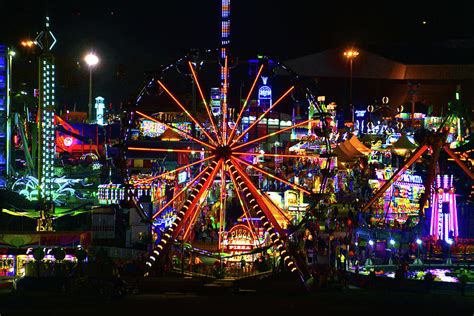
196, 213
276, 155
152, 178
263, 115
211, 119
188, 185
264, 197
245, 208
168, 150
266, 218
294, 186
191, 208
184, 213
272, 204
272, 134
222, 200
212, 140
176, 130
245, 104
255, 193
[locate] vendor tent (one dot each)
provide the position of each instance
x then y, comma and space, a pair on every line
351, 149
170, 135
404, 143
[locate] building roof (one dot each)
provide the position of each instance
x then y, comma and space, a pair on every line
331, 63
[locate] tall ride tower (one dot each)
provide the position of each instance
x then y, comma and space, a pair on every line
46, 136
224, 55
5, 132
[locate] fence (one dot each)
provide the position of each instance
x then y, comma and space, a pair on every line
202, 264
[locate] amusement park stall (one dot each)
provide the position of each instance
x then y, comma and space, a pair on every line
400, 202
16, 248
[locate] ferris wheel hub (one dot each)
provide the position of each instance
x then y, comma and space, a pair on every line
223, 151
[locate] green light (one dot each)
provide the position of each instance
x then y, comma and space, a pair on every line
458, 96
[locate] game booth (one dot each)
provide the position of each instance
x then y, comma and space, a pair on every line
400, 202
16, 250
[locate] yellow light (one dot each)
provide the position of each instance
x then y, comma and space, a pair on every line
351, 53
27, 43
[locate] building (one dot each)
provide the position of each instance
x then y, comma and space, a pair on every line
429, 87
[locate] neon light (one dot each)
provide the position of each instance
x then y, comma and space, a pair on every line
100, 106
276, 155
168, 150
442, 224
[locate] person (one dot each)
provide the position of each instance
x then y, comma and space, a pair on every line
429, 278
242, 264
197, 263
204, 233
212, 234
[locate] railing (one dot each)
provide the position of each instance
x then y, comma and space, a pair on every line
239, 266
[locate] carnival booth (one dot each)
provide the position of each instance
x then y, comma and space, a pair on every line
400, 202
403, 146
351, 149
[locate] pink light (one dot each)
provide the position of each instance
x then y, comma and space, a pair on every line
455, 216
434, 215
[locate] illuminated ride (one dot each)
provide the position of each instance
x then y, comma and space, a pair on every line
227, 150
444, 223
226, 158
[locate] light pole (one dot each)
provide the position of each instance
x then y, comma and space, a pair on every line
449, 242
11, 54
368, 261
351, 54
392, 245
418, 259
91, 60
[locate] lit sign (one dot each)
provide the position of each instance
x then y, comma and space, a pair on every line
240, 239
409, 178
152, 129
100, 106
155, 129
182, 176
216, 101
360, 113
265, 92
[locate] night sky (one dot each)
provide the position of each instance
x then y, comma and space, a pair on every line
132, 37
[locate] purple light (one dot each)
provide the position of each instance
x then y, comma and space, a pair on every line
442, 224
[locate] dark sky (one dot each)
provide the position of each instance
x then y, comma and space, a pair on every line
133, 37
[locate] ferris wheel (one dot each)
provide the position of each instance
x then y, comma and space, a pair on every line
226, 152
